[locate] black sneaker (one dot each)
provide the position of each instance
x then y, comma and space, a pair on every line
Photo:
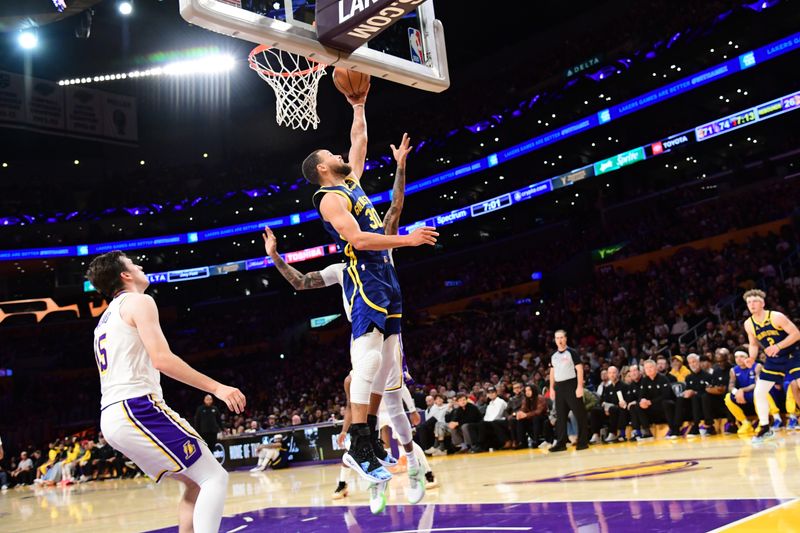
582, 447
341, 491
762, 434
693, 432
558, 448
710, 430
646, 435
384, 458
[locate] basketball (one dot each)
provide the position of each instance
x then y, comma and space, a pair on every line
350, 82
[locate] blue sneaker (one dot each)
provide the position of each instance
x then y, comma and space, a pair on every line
792, 425
671, 436
635, 434
777, 423
366, 466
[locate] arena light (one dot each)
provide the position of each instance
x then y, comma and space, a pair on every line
125, 8
206, 65
27, 39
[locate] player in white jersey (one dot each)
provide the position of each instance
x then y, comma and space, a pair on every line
131, 352
334, 274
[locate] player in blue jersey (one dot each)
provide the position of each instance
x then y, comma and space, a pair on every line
778, 336
370, 284
739, 400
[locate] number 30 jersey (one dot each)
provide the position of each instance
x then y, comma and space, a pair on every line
360, 206
125, 368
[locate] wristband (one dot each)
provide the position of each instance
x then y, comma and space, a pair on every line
734, 391
357, 105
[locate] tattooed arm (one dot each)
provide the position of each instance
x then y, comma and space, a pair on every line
298, 280
391, 221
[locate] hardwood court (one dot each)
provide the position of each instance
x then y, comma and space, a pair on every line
715, 483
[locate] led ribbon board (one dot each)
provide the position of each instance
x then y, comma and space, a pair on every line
788, 103
723, 70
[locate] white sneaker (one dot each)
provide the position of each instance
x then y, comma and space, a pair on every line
595, 439
257, 469
545, 445
416, 485
612, 437
431, 450
438, 452
377, 497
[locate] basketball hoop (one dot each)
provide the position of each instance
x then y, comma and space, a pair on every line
295, 80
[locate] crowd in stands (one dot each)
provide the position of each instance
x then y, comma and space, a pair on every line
484, 370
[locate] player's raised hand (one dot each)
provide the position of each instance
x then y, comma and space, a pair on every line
356, 99
232, 397
401, 153
270, 241
423, 235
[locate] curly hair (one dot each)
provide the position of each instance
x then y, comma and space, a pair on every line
754, 293
104, 271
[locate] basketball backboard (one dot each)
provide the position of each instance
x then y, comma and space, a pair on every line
411, 51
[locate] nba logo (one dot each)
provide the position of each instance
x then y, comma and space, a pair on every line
604, 116
415, 43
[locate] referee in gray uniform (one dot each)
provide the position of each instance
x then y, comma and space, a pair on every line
566, 382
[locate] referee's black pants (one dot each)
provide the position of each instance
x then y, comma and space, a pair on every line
566, 401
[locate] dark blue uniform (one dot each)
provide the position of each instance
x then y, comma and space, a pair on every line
744, 378
370, 281
787, 362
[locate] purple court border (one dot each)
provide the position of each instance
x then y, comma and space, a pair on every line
625, 516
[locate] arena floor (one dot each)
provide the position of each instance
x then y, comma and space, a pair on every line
720, 483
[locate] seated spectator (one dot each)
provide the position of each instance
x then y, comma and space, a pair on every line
23, 474
679, 371
492, 431
688, 405
714, 399
431, 433
530, 419
655, 403
253, 427
742, 383
662, 364
608, 413
462, 415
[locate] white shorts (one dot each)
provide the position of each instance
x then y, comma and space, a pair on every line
395, 380
152, 435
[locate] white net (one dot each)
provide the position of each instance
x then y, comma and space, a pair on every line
295, 80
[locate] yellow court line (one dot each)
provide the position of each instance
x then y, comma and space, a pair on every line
766, 520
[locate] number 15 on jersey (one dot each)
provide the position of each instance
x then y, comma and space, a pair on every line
100, 354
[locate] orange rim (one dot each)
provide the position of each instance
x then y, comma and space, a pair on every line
269, 72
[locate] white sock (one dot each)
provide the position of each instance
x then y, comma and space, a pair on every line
411, 457
420, 455
343, 474
762, 403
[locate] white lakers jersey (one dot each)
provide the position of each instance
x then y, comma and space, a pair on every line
333, 274
125, 368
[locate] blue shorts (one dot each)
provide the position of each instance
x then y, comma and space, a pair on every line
373, 293
779, 369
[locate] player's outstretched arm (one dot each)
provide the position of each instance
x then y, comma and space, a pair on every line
358, 135
143, 312
298, 280
334, 209
391, 221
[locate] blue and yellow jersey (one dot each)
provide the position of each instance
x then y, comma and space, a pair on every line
360, 206
744, 376
769, 334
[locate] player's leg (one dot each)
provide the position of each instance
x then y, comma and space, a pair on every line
738, 413
764, 383
212, 481
186, 505
791, 403
365, 354
341, 484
